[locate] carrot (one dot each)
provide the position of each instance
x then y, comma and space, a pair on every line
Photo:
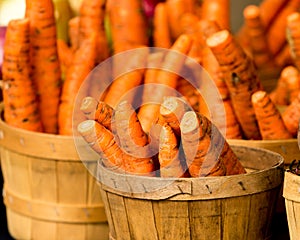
217, 10
98, 111
91, 21
269, 119
293, 34
129, 130
291, 75
241, 79
256, 33
127, 76
278, 28
73, 32
82, 64
65, 55
291, 116
102, 141
165, 82
233, 128
170, 164
284, 57
161, 32
128, 23
19, 95
198, 136
45, 63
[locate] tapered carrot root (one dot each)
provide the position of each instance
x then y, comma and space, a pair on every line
73, 32
198, 135
169, 160
65, 55
82, 64
98, 111
241, 79
45, 62
291, 116
102, 141
19, 95
257, 39
269, 119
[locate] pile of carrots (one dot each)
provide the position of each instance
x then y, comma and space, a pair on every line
42, 75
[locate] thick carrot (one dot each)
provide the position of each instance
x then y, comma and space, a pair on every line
291, 116
82, 64
217, 10
291, 76
168, 156
161, 31
257, 39
241, 79
91, 21
98, 111
269, 119
73, 32
102, 141
293, 37
198, 136
128, 23
45, 62
128, 74
129, 130
19, 95
166, 81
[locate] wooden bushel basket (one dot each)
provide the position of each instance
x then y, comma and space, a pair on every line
228, 207
291, 193
48, 192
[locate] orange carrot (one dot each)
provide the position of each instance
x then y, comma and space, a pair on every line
169, 160
284, 57
270, 122
241, 79
45, 62
161, 32
73, 32
102, 141
98, 111
278, 28
128, 73
65, 55
166, 81
293, 34
198, 136
128, 23
291, 116
91, 21
19, 95
129, 130
217, 10
256, 33
291, 75
233, 128
82, 64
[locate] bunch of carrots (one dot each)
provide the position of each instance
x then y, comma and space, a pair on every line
42, 74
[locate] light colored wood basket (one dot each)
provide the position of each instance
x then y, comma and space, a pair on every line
291, 193
48, 191
228, 207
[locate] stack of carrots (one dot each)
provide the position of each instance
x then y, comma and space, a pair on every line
42, 75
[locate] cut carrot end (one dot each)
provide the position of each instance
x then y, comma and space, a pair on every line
258, 96
251, 11
293, 17
86, 126
88, 104
218, 38
289, 71
189, 122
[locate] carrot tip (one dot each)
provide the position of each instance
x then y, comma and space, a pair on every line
251, 11
217, 38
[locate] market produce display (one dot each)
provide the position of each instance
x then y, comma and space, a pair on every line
52, 70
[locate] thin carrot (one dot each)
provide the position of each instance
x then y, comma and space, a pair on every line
166, 81
98, 111
284, 57
291, 116
293, 34
102, 141
198, 136
82, 64
241, 79
217, 10
19, 95
91, 21
65, 55
161, 32
257, 39
45, 62
73, 32
233, 128
269, 119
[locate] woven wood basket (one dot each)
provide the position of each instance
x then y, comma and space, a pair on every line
291, 193
48, 192
230, 207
